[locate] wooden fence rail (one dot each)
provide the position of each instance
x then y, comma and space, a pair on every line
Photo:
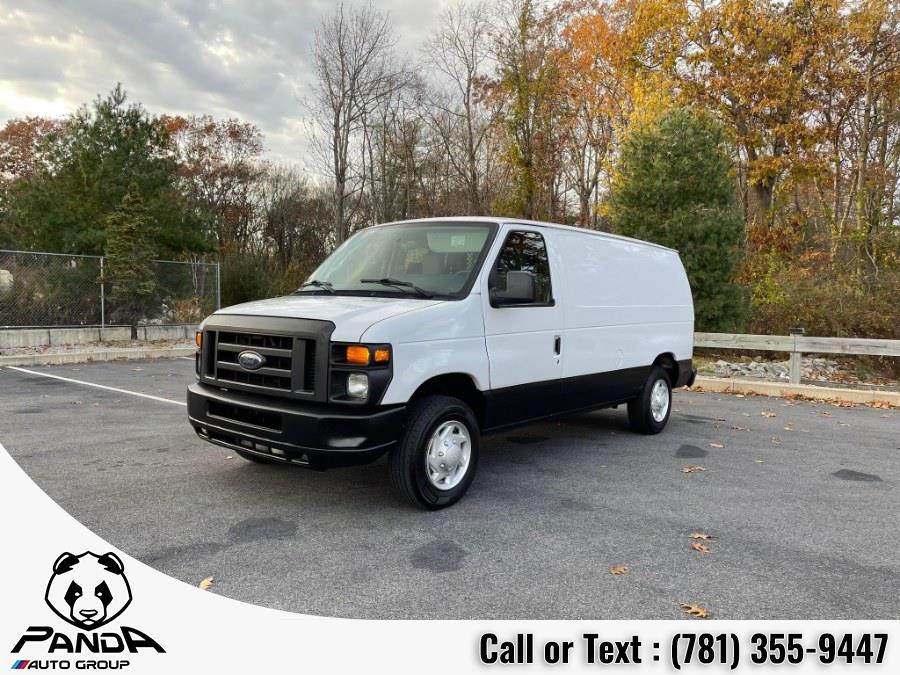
797, 345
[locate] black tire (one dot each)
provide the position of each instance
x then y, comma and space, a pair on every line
250, 457
640, 413
407, 461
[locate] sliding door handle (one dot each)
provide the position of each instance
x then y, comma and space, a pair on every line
557, 345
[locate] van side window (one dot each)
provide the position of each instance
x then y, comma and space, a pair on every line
524, 252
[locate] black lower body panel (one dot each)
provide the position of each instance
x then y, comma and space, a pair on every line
311, 435
686, 374
512, 406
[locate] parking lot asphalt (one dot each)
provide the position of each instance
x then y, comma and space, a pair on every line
800, 501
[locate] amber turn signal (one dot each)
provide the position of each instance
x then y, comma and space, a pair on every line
198, 338
358, 355
382, 355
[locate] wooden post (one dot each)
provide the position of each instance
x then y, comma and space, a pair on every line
795, 363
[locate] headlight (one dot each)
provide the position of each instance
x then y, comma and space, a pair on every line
358, 385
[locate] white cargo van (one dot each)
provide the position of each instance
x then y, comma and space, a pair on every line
415, 338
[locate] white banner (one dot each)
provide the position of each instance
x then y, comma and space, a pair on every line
71, 601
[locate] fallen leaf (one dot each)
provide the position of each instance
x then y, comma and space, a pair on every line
700, 547
739, 396
737, 428
692, 469
746, 414
137, 370
788, 428
716, 445
206, 583
229, 457
699, 535
776, 440
618, 570
694, 610
760, 461
769, 413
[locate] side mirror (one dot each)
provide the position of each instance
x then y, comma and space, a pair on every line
520, 290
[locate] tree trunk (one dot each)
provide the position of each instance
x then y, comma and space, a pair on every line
763, 192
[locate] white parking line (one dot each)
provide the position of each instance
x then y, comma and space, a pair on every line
97, 386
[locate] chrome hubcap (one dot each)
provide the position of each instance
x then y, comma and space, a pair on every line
659, 400
447, 455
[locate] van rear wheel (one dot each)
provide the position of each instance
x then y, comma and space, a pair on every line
434, 462
649, 412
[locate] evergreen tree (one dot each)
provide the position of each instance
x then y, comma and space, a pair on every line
89, 164
674, 187
129, 263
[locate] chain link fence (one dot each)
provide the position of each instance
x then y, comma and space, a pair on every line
54, 289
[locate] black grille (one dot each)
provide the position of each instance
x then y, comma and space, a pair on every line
289, 368
237, 413
282, 383
309, 372
255, 340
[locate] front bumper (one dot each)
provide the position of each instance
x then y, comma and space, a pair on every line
308, 434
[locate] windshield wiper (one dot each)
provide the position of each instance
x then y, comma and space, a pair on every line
399, 283
324, 285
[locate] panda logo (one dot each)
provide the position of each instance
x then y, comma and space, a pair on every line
88, 590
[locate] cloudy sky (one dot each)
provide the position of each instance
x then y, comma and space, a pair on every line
227, 58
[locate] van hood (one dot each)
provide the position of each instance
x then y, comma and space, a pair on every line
351, 315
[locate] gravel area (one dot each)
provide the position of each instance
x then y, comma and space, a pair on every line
814, 370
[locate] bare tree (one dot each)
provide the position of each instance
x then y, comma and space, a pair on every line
355, 68
391, 140
460, 51
293, 218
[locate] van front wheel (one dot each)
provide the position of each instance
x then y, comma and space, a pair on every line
649, 412
434, 462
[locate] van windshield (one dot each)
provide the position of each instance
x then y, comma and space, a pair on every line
412, 259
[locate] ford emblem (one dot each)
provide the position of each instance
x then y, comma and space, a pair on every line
250, 360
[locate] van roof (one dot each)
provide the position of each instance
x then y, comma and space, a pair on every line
522, 221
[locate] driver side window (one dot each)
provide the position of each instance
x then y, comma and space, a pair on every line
523, 264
